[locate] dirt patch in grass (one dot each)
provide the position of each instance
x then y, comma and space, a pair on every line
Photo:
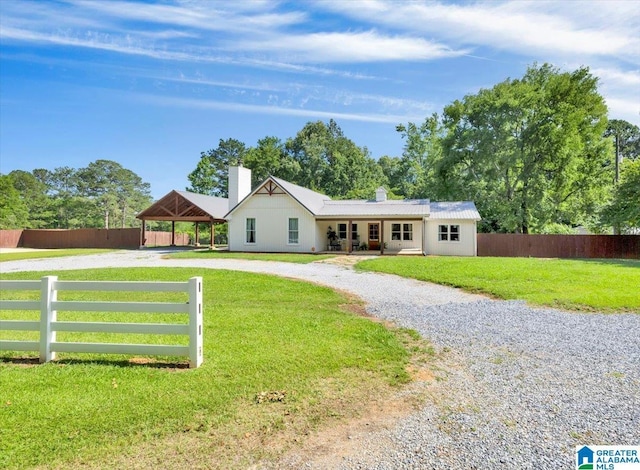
322, 427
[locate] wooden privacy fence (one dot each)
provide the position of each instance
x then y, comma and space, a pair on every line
88, 238
49, 305
559, 246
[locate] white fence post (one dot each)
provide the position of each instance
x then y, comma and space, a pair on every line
48, 294
195, 322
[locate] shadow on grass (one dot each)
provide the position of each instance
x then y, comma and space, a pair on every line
133, 362
625, 263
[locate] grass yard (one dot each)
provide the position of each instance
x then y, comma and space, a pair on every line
301, 258
34, 254
296, 341
583, 285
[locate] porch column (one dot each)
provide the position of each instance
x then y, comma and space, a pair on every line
349, 244
382, 237
143, 233
212, 245
195, 242
173, 233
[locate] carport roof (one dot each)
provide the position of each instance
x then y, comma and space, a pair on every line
185, 206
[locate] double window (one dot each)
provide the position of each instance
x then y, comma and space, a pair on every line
402, 232
449, 233
293, 231
343, 229
251, 230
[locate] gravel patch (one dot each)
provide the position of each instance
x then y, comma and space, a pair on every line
526, 384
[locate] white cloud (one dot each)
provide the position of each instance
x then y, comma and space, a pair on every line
586, 28
368, 46
622, 108
618, 78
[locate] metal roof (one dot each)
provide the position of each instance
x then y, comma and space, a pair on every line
454, 210
186, 206
322, 206
388, 208
312, 200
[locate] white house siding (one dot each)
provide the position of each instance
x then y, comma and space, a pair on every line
465, 247
272, 214
415, 243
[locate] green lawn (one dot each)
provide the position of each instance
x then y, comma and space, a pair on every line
19, 255
262, 334
301, 258
584, 285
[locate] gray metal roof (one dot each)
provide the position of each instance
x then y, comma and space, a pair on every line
312, 200
388, 208
454, 210
321, 205
215, 206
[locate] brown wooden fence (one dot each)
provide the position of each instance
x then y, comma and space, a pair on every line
86, 238
10, 238
559, 246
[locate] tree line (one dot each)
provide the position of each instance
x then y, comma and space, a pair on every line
102, 195
536, 154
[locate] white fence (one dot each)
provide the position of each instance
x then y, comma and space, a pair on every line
48, 305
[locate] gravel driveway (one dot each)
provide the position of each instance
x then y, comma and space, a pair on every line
530, 385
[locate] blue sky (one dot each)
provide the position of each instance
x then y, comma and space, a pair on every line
152, 84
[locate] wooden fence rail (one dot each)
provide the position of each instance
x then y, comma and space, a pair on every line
48, 305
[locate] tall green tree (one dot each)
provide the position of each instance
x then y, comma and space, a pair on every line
422, 150
69, 207
114, 193
331, 163
393, 172
34, 194
269, 158
529, 151
623, 212
626, 136
14, 213
212, 172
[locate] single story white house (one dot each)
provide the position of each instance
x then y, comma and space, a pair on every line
279, 216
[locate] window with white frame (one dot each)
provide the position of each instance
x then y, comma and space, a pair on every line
354, 231
251, 230
407, 231
402, 232
449, 233
293, 231
342, 231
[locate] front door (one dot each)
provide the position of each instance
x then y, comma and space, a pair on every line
374, 236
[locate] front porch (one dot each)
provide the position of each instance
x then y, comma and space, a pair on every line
370, 236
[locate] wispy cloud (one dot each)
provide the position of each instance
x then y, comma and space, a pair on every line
274, 110
368, 46
203, 31
207, 16
586, 28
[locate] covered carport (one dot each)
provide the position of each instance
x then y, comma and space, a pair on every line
185, 206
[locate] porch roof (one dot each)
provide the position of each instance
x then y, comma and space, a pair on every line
390, 208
